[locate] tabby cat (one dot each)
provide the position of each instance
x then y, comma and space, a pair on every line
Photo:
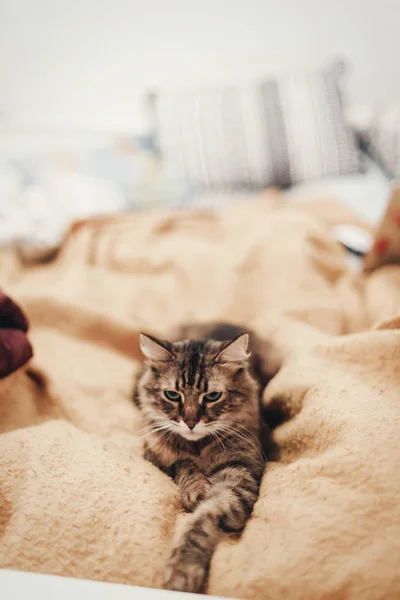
200, 403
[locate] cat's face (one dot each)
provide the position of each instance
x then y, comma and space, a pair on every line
197, 388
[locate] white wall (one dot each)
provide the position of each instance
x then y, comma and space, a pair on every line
86, 61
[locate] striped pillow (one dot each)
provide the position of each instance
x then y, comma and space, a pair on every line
275, 132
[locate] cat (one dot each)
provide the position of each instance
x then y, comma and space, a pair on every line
200, 401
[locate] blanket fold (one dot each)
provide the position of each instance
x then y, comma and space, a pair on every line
76, 496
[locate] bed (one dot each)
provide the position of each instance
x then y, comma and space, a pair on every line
44, 190
228, 211
79, 501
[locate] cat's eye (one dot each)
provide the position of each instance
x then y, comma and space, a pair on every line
172, 395
212, 396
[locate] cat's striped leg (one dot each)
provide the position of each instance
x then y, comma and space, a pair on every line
227, 506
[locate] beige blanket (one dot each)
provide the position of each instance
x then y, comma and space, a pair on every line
76, 497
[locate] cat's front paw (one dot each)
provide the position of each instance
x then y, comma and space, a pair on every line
190, 498
193, 494
183, 574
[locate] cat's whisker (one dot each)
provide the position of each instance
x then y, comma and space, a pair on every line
223, 436
163, 432
215, 436
152, 430
249, 433
211, 459
238, 434
250, 439
166, 440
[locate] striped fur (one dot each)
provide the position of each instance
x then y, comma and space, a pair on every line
218, 462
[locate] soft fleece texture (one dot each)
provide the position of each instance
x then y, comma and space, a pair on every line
76, 497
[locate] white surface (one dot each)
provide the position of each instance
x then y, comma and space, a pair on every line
366, 194
16, 139
353, 237
36, 217
16, 585
86, 62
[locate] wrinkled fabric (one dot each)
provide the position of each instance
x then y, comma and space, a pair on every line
76, 496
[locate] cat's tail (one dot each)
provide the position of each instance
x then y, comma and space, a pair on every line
225, 510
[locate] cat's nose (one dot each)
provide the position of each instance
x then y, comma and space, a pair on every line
191, 416
191, 423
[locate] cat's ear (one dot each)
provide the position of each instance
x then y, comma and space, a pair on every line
236, 351
154, 349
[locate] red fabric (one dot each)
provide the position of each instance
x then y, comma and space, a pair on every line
15, 349
382, 245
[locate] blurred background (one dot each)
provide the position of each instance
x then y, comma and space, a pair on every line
84, 64
79, 135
